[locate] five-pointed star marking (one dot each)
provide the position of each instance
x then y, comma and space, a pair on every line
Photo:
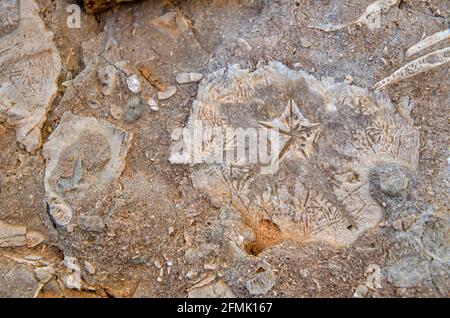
294, 129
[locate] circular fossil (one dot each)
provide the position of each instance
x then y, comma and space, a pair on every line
29, 68
327, 136
84, 156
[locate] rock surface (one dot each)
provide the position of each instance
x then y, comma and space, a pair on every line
356, 207
84, 156
316, 190
29, 68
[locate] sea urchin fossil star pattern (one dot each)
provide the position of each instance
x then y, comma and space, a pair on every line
329, 144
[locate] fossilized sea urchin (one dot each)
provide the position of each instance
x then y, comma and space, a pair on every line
332, 135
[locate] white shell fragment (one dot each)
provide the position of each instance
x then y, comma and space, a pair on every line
133, 83
72, 279
29, 68
83, 155
429, 41
169, 92
420, 65
153, 104
185, 78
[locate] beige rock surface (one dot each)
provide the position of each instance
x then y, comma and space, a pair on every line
359, 203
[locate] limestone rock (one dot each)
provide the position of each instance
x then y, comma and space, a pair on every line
315, 187
262, 282
134, 109
218, 289
9, 16
84, 157
72, 280
17, 280
29, 67
420, 255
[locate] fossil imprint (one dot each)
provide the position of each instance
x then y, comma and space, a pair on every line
29, 67
422, 64
332, 135
84, 157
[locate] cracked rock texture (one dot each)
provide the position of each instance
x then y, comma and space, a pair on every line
99, 196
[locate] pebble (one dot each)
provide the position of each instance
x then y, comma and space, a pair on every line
398, 225
108, 78
217, 289
44, 274
133, 84
89, 268
305, 43
361, 291
116, 112
169, 92
153, 105
133, 109
34, 238
185, 78
408, 221
348, 79
304, 273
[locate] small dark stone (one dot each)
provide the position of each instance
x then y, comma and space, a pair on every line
134, 109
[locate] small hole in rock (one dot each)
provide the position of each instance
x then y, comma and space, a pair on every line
267, 234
